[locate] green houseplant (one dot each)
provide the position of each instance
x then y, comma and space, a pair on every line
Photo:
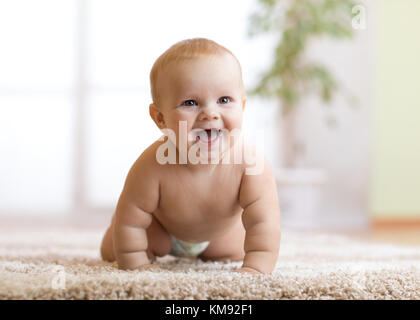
291, 77
294, 23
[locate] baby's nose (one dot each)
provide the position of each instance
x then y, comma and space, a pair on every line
208, 115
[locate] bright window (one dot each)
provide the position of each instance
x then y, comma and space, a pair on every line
74, 91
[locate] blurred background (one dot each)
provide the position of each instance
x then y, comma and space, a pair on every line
74, 97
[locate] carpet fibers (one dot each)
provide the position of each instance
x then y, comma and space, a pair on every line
65, 264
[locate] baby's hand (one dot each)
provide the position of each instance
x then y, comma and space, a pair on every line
248, 270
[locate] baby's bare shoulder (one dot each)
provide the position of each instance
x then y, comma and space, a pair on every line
146, 165
258, 177
142, 182
253, 157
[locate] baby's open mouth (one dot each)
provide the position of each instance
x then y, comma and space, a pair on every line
207, 136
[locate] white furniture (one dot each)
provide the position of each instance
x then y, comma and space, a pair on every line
299, 192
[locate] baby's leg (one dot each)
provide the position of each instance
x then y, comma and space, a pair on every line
228, 247
158, 239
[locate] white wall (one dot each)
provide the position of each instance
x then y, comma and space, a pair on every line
40, 63
345, 150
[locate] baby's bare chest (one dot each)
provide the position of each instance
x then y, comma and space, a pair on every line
200, 198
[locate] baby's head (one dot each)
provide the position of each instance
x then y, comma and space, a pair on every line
199, 82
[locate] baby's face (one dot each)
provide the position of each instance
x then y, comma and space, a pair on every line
207, 93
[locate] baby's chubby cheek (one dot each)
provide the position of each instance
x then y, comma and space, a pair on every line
179, 129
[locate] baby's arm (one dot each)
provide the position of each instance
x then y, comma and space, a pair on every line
261, 219
133, 216
130, 239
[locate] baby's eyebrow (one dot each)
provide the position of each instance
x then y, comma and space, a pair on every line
189, 97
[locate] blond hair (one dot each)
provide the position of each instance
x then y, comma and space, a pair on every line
185, 49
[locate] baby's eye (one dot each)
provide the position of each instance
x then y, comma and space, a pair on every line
189, 103
224, 100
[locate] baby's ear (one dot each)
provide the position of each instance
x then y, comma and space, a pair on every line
157, 116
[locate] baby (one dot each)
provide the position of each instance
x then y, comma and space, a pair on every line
186, 196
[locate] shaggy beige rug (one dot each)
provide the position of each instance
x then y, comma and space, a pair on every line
65, 264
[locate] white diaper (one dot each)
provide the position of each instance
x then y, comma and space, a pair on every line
186, 249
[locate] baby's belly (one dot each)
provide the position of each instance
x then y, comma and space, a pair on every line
198, 226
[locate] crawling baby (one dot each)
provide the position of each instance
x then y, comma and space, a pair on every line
187, 194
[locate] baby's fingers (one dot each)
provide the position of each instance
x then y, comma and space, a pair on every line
151, 256
248, 270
